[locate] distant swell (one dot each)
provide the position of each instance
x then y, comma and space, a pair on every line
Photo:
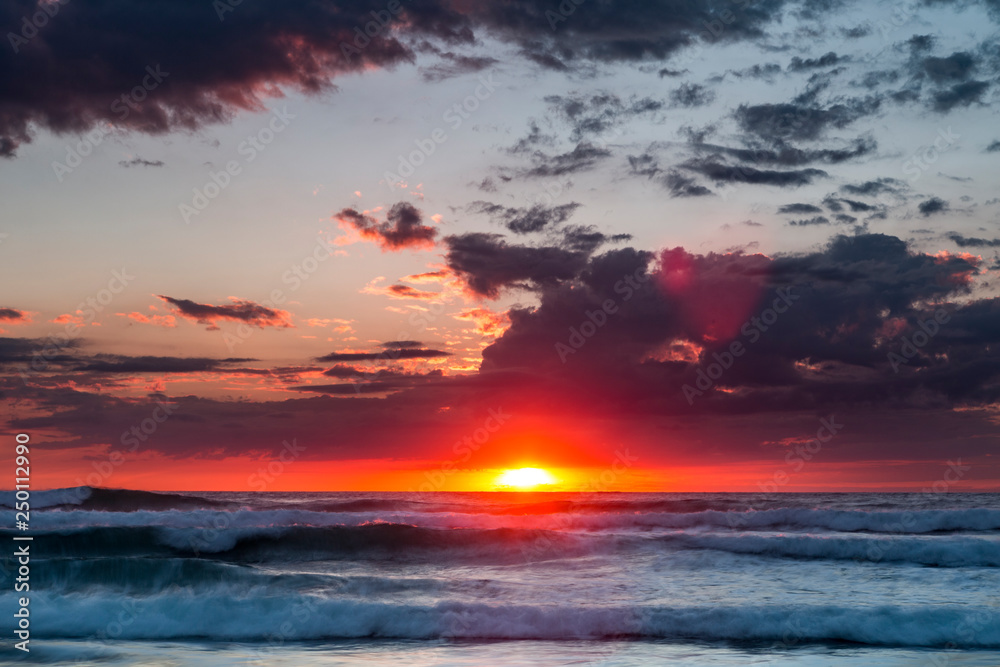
112, 500
280, 543
844, 521
383, 541
174, 615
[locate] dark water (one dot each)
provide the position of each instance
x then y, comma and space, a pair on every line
134, 578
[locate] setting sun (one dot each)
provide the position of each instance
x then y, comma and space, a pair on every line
524, 478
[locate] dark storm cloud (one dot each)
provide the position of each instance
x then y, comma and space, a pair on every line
666, 71
809, 222
782, 154
683, 186
401, 353
643, 165
956, 67
239, 311
994, 146
526, 220
120, 364
875, 188
139, 162
13, 315
971, 241
932, 206
587, 239
401, 344
672, 180
488, 264
724, 173
855, 206
920, 43
828, 60
211, 63
839, 304
585, 156
403, 227
163, 66
785, 121
857, 32
799, 208
596, 113
758, 71
14, 350
456, 64
691, 95
960, 95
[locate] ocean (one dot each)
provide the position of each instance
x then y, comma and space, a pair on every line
121, 577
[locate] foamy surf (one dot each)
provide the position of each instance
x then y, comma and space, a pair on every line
876, 570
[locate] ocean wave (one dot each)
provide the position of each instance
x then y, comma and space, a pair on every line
112, 500
799, 520
401, 542
191, 614
145, 576
932, 551
377, 541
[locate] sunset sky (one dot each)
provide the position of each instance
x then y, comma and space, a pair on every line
735, 245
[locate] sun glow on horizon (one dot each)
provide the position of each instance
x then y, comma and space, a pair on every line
524, 478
